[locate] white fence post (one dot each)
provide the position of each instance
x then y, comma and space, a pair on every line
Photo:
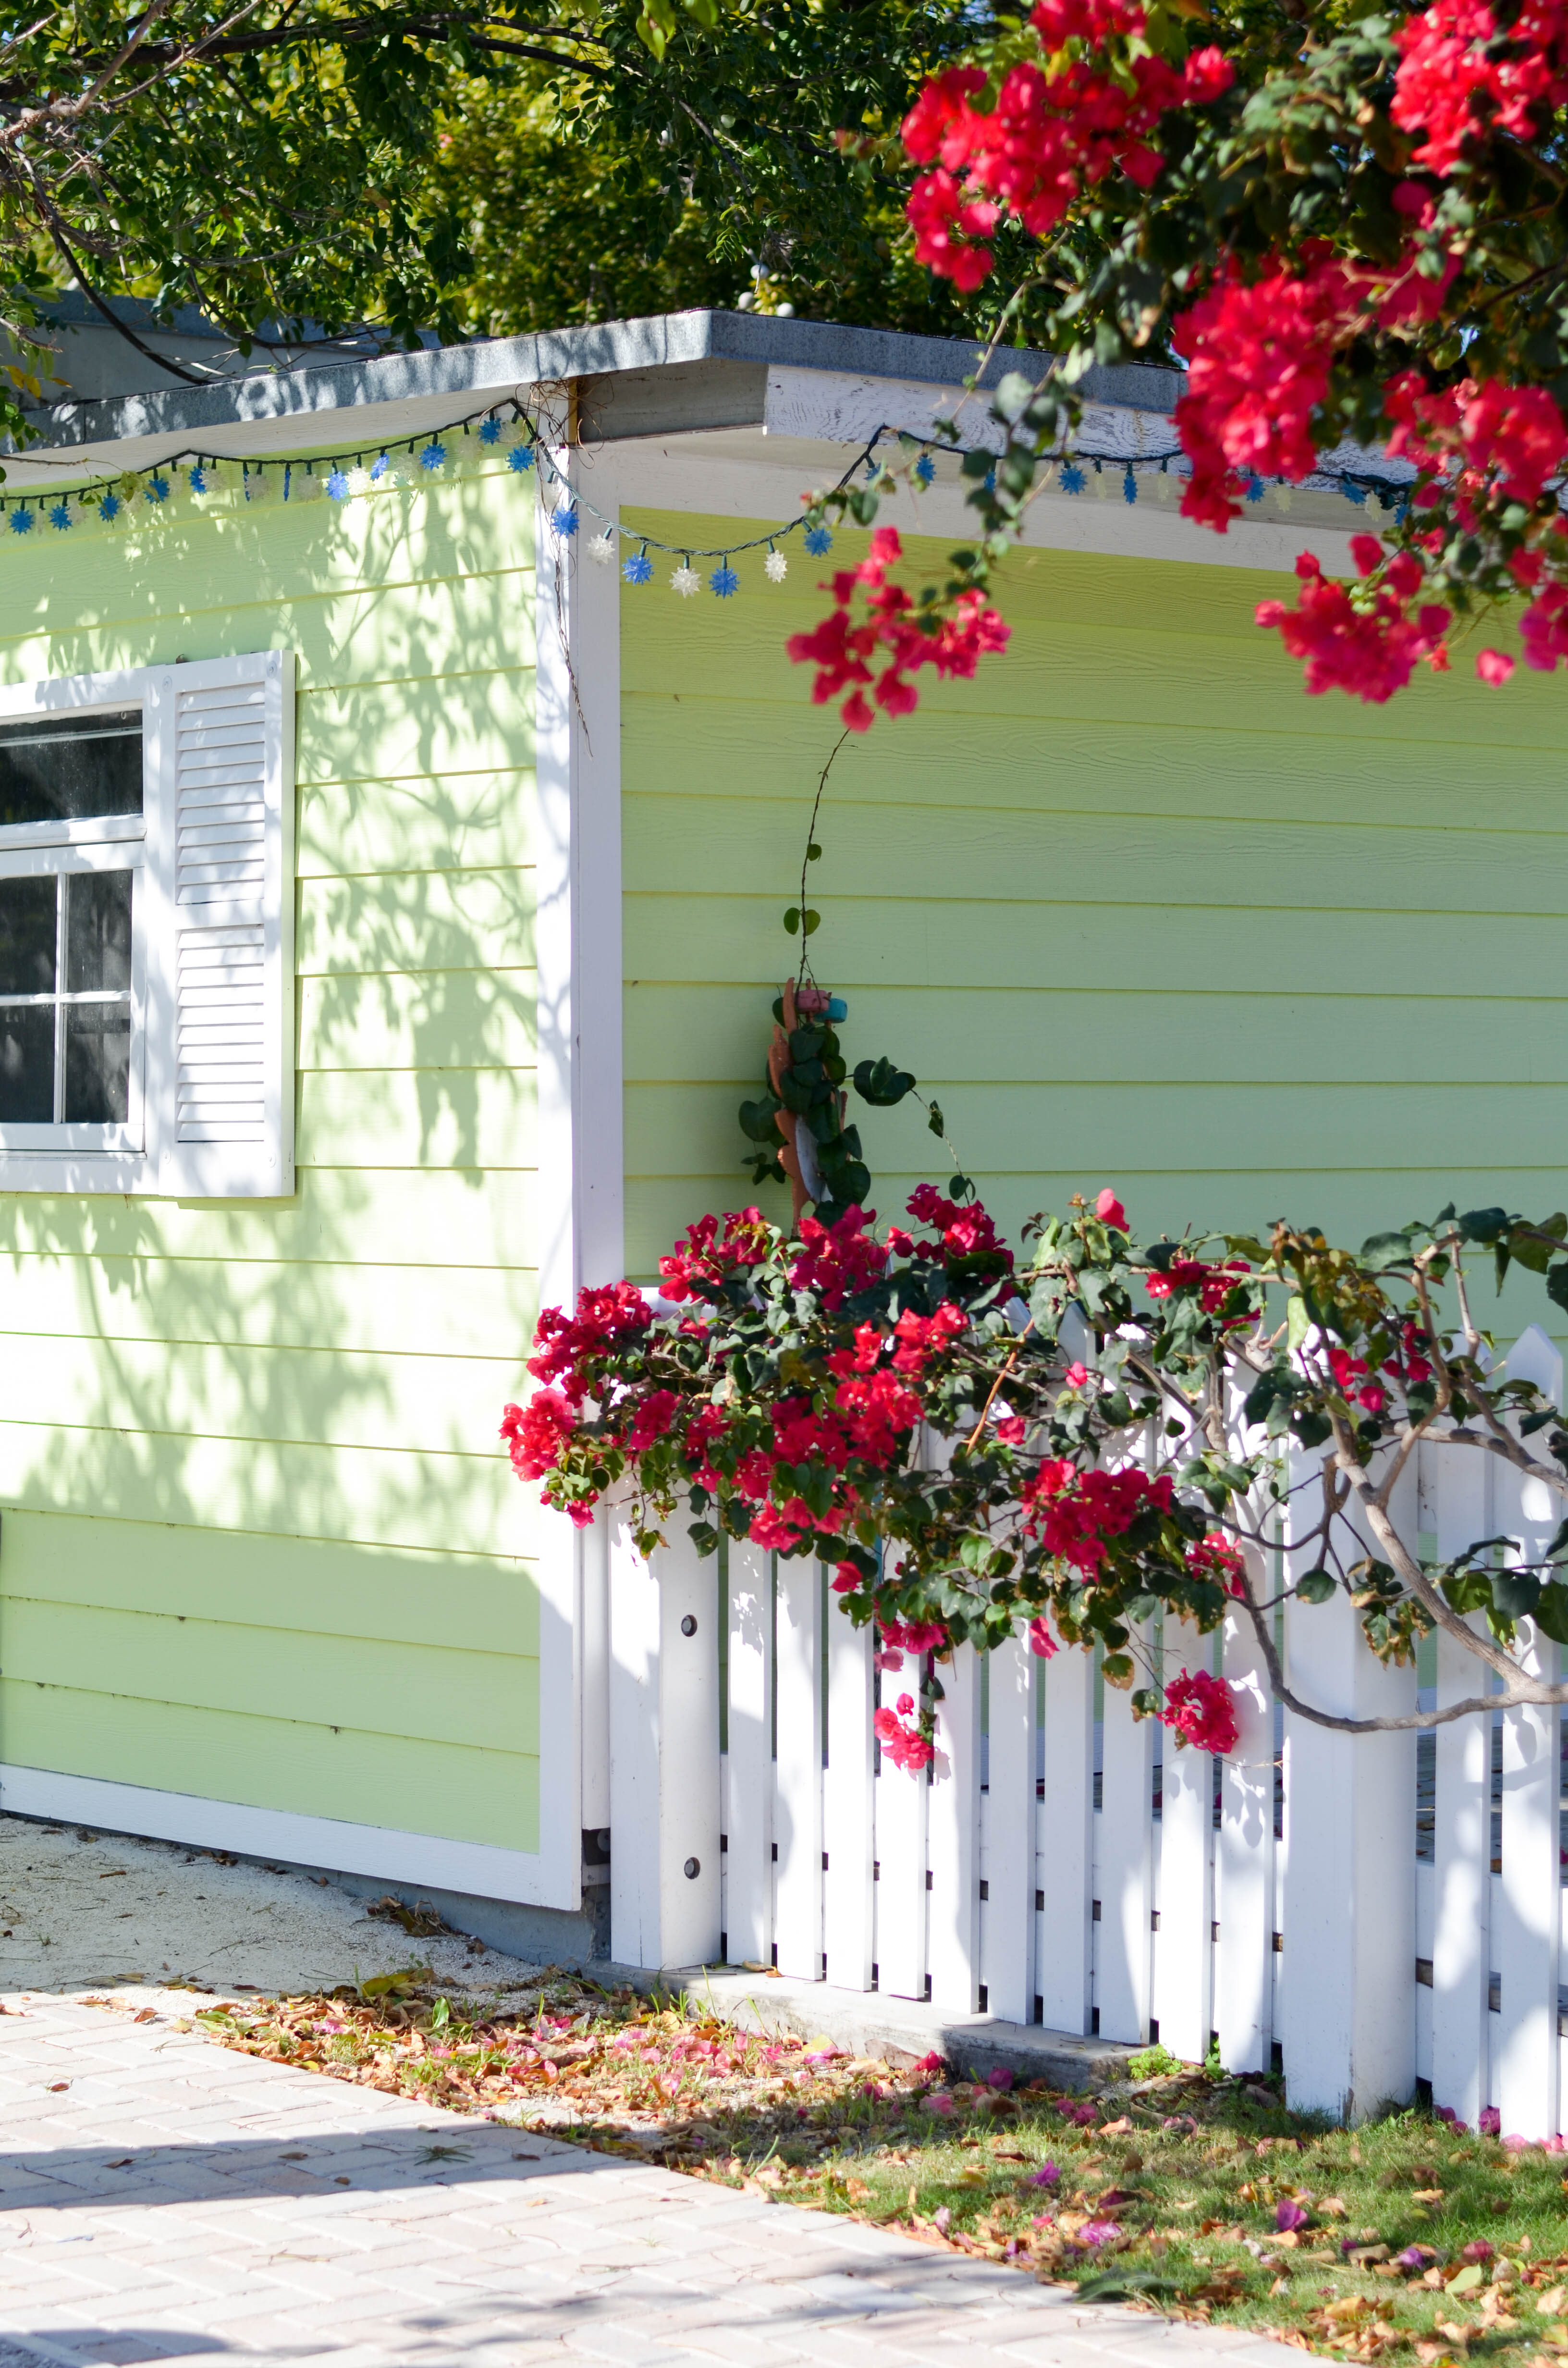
1126, 1885
1007, 1918
748, 1870
849, 1806
1461, 1818
663, 1755
953, 1811
1183, 1955
1530, 1903
1244, 1971
1349, 1989
901, 1803
797, 1810
1064, 1827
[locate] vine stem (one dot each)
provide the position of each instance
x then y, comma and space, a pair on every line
805, 860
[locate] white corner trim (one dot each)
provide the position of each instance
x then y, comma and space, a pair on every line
481, 1869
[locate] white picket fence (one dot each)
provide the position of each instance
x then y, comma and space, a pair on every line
1366, 1912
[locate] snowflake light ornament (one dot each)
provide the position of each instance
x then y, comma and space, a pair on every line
380, 467
564, 520
925, 469
23, 520
602, 548
60, 517
520, 459
686, 581
1073, 478
775, 567
433, 455
725, 582
337, 485
818, 540
109, 508
638, 569
490, 431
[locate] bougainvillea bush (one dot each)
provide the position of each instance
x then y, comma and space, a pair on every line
1345, 225
1077, 1434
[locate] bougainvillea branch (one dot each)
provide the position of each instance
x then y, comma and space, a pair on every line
797, 1388
1343, 231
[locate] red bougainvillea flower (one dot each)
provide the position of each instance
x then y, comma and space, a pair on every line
1053, 129
887, 629
838, 1260
1214, 1283
916, 1635
1371, 650
902, 1743
1110, 1211
699, 1263
537, 1433
1041, 1641
1200, 1710
1076, 1514
1219, 1558
1464, 75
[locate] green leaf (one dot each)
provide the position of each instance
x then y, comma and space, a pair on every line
756, 1120
1551, 1612
1516, 1593
1557, 1286
881, 1085
1316, 1586
813, 921
793, 919
655, 25
1298, 1323
1482, 1225
813, 852
937, 1124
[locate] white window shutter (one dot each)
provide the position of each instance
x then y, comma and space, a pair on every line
220, 759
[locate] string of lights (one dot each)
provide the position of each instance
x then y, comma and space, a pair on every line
508, 427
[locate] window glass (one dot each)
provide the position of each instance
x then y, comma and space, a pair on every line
27, 1064
27, 935
66, 1045
98, 932
71, 768
97, 1064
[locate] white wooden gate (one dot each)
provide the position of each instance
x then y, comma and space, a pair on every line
1366, 1912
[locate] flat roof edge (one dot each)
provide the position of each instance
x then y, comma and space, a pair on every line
494, 367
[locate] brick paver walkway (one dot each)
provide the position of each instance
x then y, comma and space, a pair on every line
162, 2198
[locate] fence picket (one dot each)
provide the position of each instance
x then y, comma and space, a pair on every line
953, 1812
900, 1800
748, 1870
1126, 1885
1007, 1920
1064, 1861
848, 1835
797, 1805
1244, 1969
1461, 1821
1184, 1962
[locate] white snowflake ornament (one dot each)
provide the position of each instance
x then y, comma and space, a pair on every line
602, 548
686, 581
775, 567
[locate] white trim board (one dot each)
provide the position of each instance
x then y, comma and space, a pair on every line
481, 1869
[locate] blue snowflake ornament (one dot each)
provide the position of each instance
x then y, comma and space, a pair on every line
1356, 495
564, 520
1073, 478
23, 520
109, 508
520, 458
725, 582
60, 517
925, 469
433, 456
1254, 487
1129, 485
638, 569
337, 485
490, 431
818, 540
198, 478
379, 468
157, 490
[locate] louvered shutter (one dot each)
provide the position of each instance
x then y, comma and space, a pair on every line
220, 927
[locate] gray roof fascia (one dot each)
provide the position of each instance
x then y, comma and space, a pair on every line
495, 367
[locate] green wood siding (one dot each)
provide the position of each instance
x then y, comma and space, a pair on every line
259, 1542
1132, 907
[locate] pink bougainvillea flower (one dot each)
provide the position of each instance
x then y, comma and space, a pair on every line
1490, 2125
1041, 1641
1099, 2232
1289, 2213
936, 2101
1077, 1376
1110, 1211
1478, 2250
1200, 1710
1046, 2175
1494, 667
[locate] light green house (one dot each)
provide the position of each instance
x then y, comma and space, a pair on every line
389, 903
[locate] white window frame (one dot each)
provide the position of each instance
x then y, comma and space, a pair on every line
156, 1152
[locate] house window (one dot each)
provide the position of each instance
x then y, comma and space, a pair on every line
146, 931
67, 917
